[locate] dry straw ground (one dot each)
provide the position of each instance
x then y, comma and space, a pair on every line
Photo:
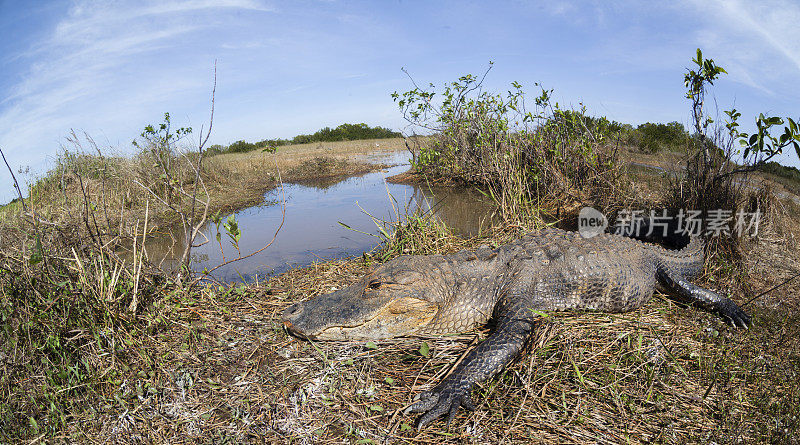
215, 365
223, 368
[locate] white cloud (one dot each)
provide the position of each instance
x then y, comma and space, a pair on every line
100, 67
760, 39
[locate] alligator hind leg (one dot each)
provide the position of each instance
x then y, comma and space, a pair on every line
682, 290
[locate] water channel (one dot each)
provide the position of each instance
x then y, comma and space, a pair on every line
312, 231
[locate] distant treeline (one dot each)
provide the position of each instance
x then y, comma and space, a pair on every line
344, 132
652, 138
648, 137
783, 171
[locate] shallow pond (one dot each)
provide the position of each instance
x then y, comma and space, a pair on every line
312, 231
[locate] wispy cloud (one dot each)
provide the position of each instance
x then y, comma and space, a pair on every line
112, 67
760, 40
96, 70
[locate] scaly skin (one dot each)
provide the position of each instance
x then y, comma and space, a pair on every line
552, 270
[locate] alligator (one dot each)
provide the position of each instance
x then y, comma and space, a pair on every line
514, 285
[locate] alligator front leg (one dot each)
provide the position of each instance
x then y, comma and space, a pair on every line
686, 292
482, 363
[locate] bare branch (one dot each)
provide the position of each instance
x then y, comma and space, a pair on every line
275, 236
16, 184
25, 209
194, 227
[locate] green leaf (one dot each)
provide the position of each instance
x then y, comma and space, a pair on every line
578, 373
34, 424
377, 408
405, 427
792, 124
371, 345
425, 350
389, 380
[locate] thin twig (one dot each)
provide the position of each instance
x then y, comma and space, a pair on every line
25, 209
783, 283
274, 237
194, 226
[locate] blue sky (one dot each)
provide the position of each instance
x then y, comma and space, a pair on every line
283, 68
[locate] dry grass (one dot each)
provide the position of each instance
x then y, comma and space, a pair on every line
219, 365
290, 156
215, 365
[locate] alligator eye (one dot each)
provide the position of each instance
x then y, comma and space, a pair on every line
374, 284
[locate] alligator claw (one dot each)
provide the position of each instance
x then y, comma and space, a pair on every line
445, 398
734, 315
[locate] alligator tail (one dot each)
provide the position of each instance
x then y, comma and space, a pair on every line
681, 255
686, 262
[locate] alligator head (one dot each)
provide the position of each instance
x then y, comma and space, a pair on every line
390, 302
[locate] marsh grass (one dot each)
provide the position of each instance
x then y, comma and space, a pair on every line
75, 314
217, 363
214, 363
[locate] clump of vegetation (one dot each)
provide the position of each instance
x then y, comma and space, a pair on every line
712, 182
549, 159
323, 165
74, 279
344, 132
241, 146
68, 331
652, 138
326, 167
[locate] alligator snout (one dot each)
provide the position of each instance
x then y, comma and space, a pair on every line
292, 311
290, 316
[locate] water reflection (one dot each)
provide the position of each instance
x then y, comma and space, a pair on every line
311, 231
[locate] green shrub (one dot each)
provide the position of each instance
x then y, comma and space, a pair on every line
528, 161
346, 132
652, 138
